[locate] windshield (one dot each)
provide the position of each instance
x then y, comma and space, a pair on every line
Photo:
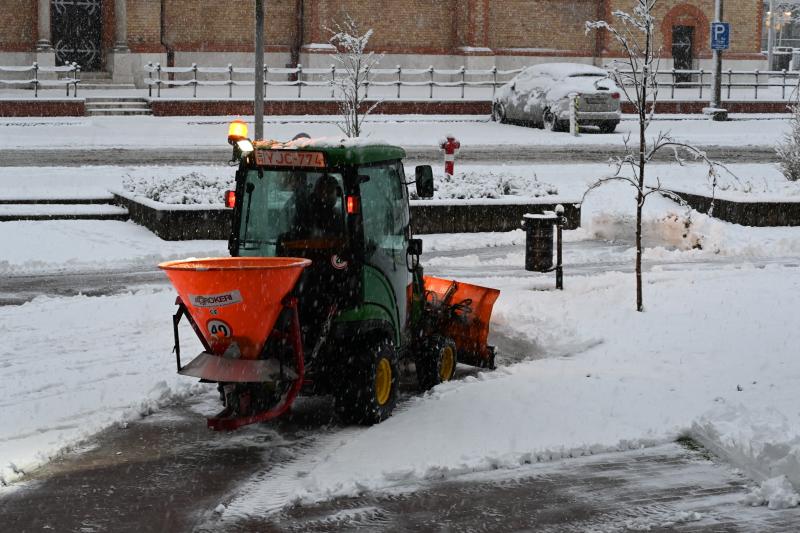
284, 209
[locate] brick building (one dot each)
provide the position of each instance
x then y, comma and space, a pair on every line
120, 36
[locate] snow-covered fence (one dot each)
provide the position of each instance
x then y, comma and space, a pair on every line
70, 72
300, 77
742, 81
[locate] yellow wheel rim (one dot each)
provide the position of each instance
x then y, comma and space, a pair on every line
383, 381
448, 363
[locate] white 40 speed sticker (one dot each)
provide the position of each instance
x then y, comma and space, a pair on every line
218, 328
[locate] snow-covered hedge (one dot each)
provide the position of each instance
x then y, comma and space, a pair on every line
488, 184
208, 189
192, 188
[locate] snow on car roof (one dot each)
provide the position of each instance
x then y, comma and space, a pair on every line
566, 70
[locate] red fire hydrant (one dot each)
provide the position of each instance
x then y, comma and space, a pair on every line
450, 146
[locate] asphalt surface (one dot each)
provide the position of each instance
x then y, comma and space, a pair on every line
213, 155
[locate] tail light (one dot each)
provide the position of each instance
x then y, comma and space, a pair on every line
615, 96
230, 199
352, 205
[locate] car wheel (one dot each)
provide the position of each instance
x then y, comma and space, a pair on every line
499, 113
608, 127
369, 392
551, 123
436, 362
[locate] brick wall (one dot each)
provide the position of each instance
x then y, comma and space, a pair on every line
144, 26
18, 19
542, 24
425, 25
210, 25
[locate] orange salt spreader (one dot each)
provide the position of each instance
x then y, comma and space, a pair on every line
233, 303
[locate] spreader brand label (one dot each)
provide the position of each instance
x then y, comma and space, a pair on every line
290, 158
216, 300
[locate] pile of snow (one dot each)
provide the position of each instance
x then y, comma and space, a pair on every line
192, 188
775, 493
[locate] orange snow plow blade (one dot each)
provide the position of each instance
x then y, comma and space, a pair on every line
235, 299
472, 309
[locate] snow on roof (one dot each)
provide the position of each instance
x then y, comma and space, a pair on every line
565, 70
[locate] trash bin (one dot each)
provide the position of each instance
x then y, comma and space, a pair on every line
539, 241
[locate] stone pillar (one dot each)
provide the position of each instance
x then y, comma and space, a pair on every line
44, 43
121, 20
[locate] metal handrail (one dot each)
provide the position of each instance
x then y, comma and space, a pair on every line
299, 77
72, 68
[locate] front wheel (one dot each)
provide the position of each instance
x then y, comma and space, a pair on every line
498, 113
368, 392
608, 127
552, 123
436, 363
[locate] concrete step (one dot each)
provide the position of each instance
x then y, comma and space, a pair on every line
19, 200
117, 112
62, 211
113, 99
92, 86
117, 105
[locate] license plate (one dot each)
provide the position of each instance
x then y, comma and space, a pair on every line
290, 158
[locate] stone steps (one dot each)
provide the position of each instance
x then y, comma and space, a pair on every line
117, 106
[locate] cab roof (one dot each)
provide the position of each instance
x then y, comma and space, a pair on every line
340, 151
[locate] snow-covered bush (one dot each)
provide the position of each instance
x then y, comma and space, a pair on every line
191, 188
488, 184
789, 150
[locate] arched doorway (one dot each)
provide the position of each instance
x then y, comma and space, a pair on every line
685, 29
77, 31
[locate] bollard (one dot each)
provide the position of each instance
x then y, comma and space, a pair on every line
573, 115
450, 145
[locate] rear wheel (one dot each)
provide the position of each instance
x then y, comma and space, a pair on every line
552, 123
608, 127
498, 113
368, 392
436, 363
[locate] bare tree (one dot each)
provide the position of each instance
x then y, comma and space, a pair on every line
636, 74
356, 62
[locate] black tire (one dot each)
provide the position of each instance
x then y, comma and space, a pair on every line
498, 113
551, 123
365, 396
436, 362
609, 126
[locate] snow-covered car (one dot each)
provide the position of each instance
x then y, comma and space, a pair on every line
540, 95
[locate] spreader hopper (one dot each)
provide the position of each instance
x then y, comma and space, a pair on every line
234, 301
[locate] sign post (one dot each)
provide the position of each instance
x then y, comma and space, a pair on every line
720, 40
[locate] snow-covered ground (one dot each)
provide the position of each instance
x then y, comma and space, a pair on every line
404, 130
713, 356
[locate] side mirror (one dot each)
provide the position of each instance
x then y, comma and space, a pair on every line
513, 86
415, 246
423, 175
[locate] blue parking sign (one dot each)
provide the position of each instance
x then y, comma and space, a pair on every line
720, 35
